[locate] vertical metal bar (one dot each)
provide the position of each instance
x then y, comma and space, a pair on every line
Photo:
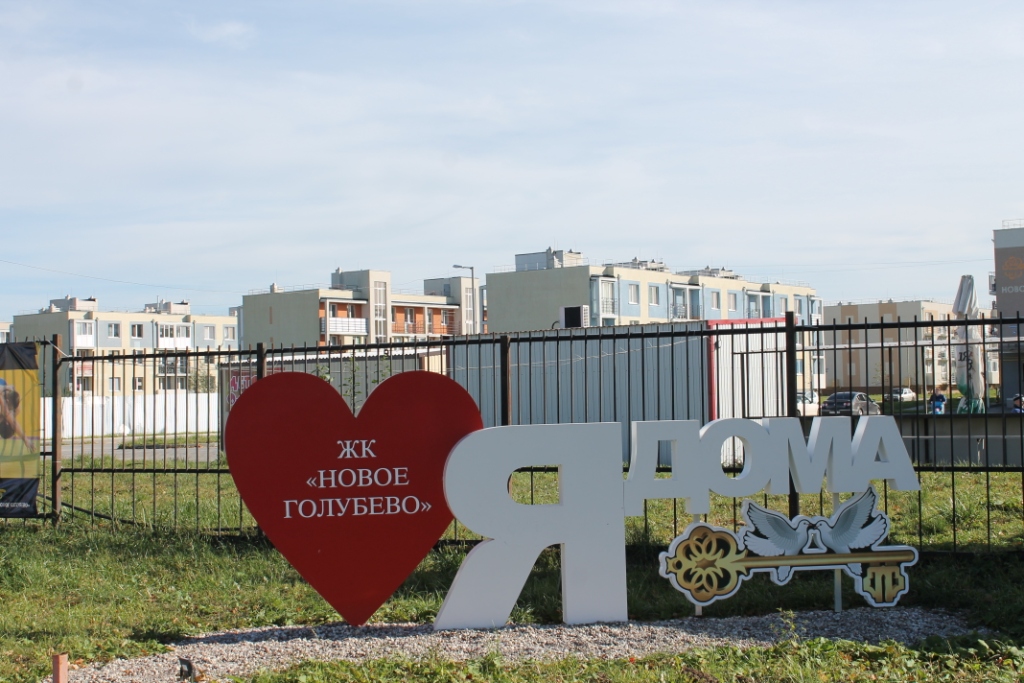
261, 362
837, 574
505, 364
56, 427
791, 403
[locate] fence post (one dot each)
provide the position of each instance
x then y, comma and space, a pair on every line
60, 668
261, 361
56, 426
505, 363
791, 404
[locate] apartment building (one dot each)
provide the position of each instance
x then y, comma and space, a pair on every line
359, 307
5, 333
532, 294
920, 358
88, 331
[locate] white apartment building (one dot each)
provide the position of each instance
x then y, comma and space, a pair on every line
5, 333
532, 294
359, 307
88, 331
921, 358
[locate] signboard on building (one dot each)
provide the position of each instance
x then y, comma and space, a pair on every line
1009, 285
19, 429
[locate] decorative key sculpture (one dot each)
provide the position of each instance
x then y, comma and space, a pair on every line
709, 563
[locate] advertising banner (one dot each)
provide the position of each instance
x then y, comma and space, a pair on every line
19, 429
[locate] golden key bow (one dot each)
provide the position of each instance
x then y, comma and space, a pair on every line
709, 563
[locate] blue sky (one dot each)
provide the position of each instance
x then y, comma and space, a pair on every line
200, 150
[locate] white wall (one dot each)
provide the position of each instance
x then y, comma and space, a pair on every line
170, 413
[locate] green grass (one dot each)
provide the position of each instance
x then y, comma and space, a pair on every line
100, 589
814, 660
170, 440
986, 511
977, 511
105, 594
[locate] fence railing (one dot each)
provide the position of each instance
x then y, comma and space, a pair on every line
141, 452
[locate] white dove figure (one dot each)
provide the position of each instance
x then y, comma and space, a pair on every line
770, 534
856, 526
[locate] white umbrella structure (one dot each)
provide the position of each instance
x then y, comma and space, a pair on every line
968, 350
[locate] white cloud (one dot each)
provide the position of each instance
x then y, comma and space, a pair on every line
234, 34
745, 139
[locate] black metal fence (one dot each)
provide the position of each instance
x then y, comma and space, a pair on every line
139, 442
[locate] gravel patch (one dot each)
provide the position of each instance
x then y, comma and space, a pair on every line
244, 652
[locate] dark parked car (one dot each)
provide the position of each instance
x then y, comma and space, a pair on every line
849, 403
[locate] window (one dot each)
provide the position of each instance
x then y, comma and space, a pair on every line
380, 309
799, 306
716, 300
229, 333
634, 294
84, 328
114, 330
184, 332
799, 366
733, 302
171, 383
209, 332
138, 383
653, 295
469, 306
114, 383
136, 330
410, 315
83, 383
84, 353
166, 331
784, 304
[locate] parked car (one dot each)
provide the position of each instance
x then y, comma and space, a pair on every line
805, 405
900, 394
849, 403
811, 395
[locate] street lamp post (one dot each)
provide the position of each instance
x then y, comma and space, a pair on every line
476, 299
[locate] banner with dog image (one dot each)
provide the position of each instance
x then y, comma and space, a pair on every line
20, 461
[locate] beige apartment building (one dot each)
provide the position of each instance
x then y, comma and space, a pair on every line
5, 333
555, 288
920, 358
88, 331
360, 307
534, 294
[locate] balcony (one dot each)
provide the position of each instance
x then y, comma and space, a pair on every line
173, 343
608, 307
684, 312
351, 326
420, 328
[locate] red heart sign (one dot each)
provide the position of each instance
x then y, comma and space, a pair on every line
354, 503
